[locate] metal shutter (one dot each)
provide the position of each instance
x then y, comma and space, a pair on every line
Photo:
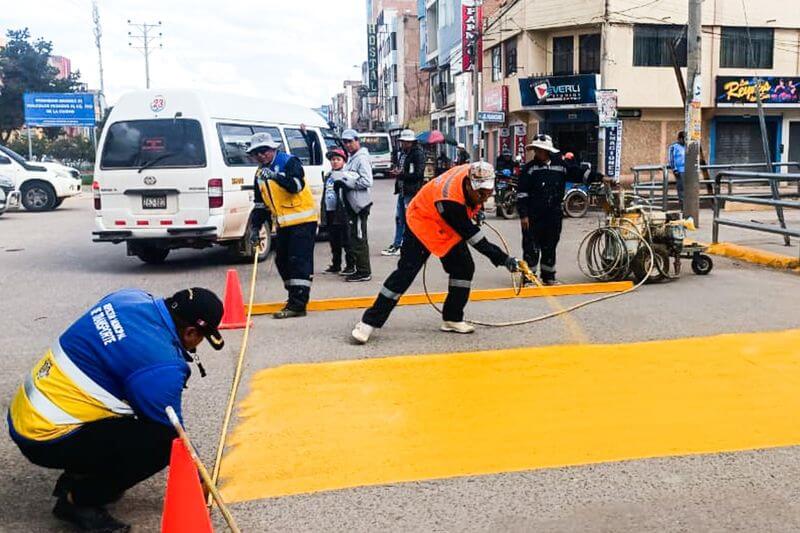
740, 142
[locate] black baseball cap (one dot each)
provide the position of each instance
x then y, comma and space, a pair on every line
199, 308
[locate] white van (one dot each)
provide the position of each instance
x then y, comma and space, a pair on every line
172, 171
42, 186
379, 145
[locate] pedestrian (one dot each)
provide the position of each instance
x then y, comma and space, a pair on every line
409, 175
676, 160
462, 156
439, 222
356, 181
94, 405
542, 185
335, 214
284, 198
505, 161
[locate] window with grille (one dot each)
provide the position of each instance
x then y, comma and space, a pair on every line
652, 45
735, 50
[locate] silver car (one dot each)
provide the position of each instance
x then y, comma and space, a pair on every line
8, 196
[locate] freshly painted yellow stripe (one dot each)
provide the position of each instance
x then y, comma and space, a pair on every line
315, 427
362, 302
755, 256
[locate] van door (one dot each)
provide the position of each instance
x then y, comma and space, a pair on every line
308, 148
153, 173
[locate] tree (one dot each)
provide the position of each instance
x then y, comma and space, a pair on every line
24, 68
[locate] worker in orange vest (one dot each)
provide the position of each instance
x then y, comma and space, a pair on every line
439, 222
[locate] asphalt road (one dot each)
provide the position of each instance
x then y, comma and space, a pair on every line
51, 272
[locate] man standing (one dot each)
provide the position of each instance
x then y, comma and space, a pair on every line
283, 196
94, 405
676, 160
357, 182
409, 174
439, 222
542, 185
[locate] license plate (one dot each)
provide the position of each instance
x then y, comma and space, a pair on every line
154, 202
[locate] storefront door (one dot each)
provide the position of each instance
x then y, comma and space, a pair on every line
739, 141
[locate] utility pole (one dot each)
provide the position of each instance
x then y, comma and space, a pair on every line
601, 133
144, 36
98, 32
475, 153
693, 119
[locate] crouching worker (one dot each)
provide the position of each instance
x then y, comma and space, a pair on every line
93, 406
439, 222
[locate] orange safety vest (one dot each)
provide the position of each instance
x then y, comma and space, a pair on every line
424, 219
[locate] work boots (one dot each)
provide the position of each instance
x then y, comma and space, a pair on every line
457, 327
88, 517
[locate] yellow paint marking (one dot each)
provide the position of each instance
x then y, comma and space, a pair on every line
755, 256
315, 427
362, 302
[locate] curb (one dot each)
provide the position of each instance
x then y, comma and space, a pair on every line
755, 256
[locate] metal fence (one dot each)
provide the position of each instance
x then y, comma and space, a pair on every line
652, 182
771, 197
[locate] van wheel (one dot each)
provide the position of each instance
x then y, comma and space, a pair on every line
152, 255
59, 201
38, 196
244, 250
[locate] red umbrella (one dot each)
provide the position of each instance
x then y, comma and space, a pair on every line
435, 137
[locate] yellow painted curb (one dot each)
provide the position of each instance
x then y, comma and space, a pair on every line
362, 302
755, 256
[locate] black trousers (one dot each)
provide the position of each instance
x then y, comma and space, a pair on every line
103, 459
339, 238
294, 258
541, 240
413, 254
359, 244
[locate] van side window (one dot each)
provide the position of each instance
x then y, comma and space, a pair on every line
234, 140
308, 151
275, 132
4, 160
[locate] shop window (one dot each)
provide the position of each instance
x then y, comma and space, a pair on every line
652, 45
735, 48
497, 64
510, 51
563, 56
589, 53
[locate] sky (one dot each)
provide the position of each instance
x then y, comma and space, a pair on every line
298, 51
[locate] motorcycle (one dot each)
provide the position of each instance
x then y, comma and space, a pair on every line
505, 194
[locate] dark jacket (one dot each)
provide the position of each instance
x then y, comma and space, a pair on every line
288, 173
542, 185
412, 171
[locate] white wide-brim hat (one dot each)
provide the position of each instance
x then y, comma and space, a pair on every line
407, 135
543, 142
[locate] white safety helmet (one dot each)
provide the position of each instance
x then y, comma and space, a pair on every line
407, 135
481, 175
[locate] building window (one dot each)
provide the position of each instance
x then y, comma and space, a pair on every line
589, 53
563, 56
735, 50
394, 73
652, 45
510, 51
394, 41
497, 64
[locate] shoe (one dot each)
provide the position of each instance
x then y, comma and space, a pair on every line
288, 313
457, 327
358, 277
550, 282
332, 270
88, 517
348, 271
391, 250
362, 332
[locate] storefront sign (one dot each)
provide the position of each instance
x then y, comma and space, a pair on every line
59, 109
496, 98
520, 139
471, 41
559, 92
607, 107
491, 116
613, 155
504, 140
775, 91
372, 58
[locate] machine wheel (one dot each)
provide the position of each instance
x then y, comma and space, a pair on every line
152, 255
38, 196
576, 203
641, 265
702, 264
506, 207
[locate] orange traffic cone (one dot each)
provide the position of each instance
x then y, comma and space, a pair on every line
234, 316
184, 505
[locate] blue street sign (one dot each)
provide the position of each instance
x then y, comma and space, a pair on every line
491, 116
59, 109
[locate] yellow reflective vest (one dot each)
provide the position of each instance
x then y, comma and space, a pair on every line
288, 209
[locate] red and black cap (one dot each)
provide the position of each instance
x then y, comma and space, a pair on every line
336, 152
199, 308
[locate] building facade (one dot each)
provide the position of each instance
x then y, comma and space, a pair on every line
543, 67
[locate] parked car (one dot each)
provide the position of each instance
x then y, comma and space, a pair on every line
8, 196
42, 186
172, 171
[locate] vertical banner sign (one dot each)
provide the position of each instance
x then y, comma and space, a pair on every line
471, 41
613, 155
607, 107
520, 139
504, 140
372, 58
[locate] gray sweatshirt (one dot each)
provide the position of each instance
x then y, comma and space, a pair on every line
357, 180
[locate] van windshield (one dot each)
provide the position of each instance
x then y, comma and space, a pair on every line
376, 144
157, 143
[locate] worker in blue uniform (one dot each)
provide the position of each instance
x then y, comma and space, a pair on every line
94, 405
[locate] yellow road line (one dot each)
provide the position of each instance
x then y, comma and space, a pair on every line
755, 256
315, 427
362, 302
